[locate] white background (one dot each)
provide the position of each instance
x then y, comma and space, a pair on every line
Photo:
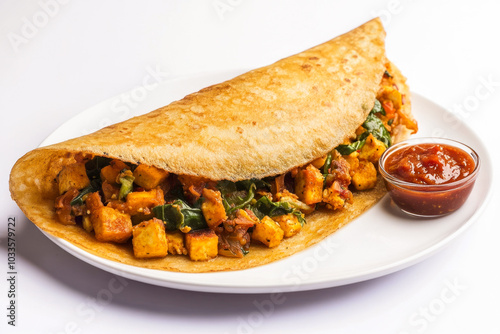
54, 66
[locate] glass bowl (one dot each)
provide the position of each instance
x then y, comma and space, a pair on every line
429, 200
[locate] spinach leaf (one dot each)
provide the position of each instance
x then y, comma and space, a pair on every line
259, 184
265, 207
238, 195
226, 187
327, 164
374, 125
237, 202
95, 185
170, 214
377, 108
193, 217
179, 216
354, 146
95, 165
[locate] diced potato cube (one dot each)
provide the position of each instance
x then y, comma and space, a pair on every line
93, 202
110, 172
212, 207
111, 225
319, 162
372, 150
392, 94
149, 239
149, 177
118, 165
332, 196
353, 161
202, 245
289, 224
72, 176
309, 185
365, 176
144, 201
176, 243
268, 232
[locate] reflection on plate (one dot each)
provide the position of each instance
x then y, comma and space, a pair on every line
381, 241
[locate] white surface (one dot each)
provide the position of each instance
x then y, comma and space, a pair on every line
379, 242
90, 51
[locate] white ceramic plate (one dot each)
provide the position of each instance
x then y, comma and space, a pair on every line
381, 241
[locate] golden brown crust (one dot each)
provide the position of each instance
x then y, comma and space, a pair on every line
262, 123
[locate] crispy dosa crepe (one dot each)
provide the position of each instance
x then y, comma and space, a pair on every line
262, 123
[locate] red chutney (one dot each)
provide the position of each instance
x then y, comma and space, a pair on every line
430, 164
431, 172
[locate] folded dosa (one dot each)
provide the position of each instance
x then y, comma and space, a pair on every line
262, 123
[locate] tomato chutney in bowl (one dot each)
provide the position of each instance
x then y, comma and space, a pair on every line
429, 177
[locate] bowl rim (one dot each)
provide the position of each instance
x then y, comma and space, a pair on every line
429, 187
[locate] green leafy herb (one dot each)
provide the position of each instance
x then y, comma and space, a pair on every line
354, 146
193, 217
170, 214
377, 108
228, 190
94, 186
374, 126
127, 183
95, 165
226, 187
387, 74
265, 207
179, 216
259, 184
327, 164
238, 195
235, 202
